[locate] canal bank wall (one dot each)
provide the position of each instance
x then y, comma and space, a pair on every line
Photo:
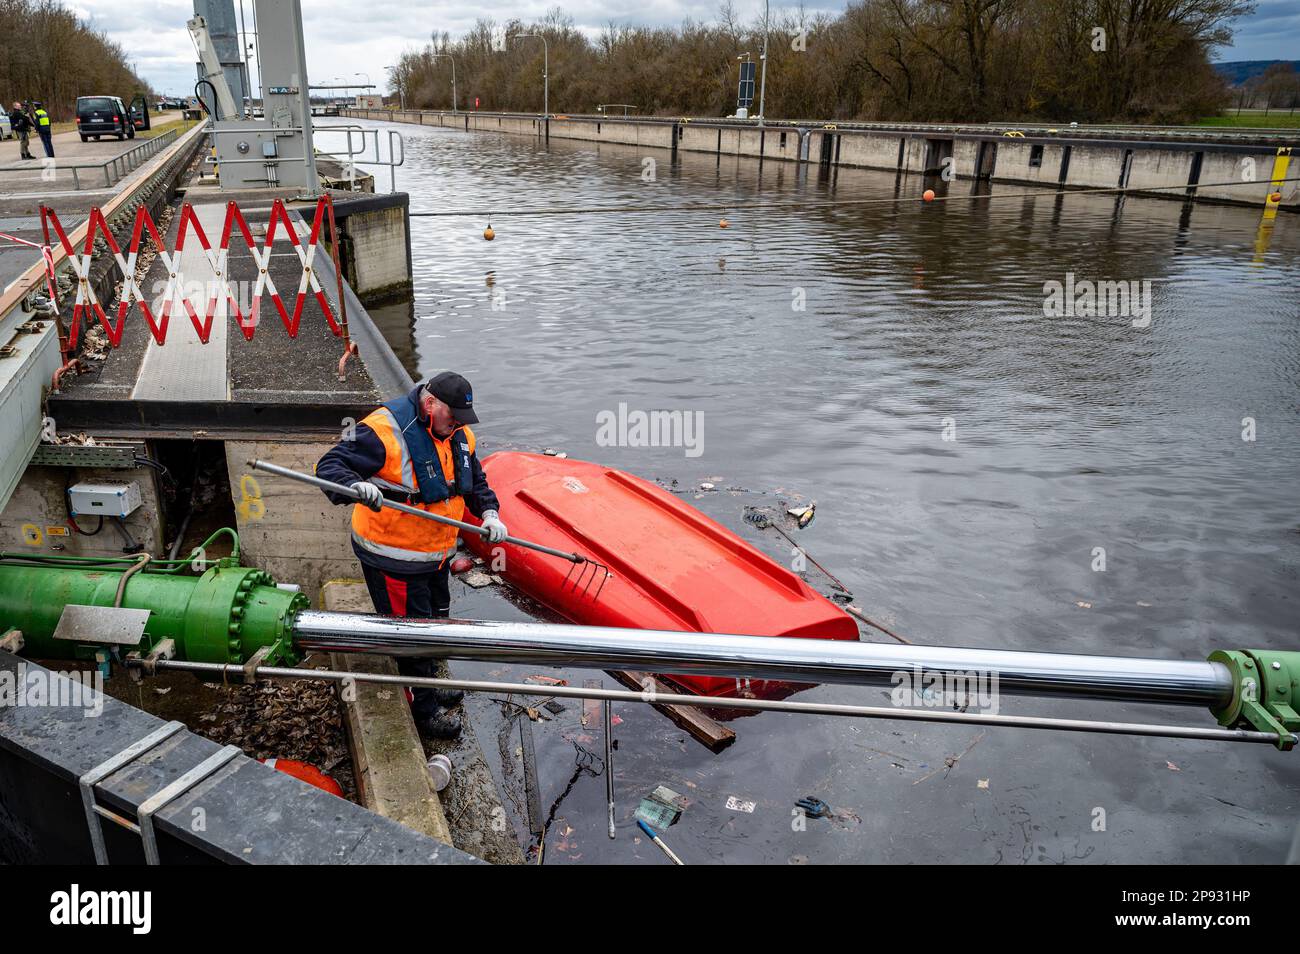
1237, 168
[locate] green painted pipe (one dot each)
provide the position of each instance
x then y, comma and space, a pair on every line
224, 615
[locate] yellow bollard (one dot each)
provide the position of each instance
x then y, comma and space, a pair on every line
1274, 198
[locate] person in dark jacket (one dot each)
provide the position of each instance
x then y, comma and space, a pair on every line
22, 126
417, 450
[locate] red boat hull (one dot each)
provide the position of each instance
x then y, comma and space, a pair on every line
672, 567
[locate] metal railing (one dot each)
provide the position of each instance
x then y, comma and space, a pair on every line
118, 167
349, 158
1035, 128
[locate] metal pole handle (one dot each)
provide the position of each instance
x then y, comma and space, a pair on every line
346, 491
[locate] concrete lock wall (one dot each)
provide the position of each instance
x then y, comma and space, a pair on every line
871, 152
1092, 163
1017, 158
380, 250
1221, 168
288, 529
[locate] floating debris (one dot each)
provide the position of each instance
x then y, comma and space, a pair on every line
741, 805
804, 515
439, 771
662, 807
813, 807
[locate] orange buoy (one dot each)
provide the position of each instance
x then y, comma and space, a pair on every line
305, 773
723, 224
488, 234
461, 564
928, 195
1275, 197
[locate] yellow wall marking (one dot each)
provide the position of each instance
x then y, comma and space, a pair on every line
250, 506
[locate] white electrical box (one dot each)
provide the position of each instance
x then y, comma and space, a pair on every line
104, 500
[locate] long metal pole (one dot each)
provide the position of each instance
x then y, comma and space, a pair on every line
762, 87
243, 53
609, 763
438, 56
312, 185
770, 657
704, 702
344, 491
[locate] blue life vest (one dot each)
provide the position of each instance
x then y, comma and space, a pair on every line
424, 456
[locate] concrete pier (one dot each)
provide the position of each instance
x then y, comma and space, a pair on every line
180, 420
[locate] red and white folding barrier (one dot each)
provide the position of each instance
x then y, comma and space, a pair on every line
218, 282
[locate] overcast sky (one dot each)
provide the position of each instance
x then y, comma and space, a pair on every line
346, 37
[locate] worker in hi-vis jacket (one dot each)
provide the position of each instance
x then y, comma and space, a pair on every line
418, 450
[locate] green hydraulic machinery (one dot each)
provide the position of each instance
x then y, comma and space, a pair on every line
228, 615
225, 614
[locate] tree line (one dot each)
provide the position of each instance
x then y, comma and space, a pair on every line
922, 60
48, 54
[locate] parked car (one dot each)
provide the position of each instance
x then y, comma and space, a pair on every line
103, 116
6, 127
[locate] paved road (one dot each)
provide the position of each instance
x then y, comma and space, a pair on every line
24, 185
17, 176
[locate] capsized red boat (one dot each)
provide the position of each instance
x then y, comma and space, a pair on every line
671, 566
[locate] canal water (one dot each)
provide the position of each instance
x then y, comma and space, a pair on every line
988, 471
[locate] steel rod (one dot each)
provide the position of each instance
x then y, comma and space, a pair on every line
788, 659
703, 702
607, 706
345, 491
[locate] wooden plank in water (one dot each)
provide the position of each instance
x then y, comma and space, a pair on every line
710, 733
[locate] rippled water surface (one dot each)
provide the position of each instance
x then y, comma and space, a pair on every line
1071, 433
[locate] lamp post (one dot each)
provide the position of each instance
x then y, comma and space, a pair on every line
762, 88
546, 72
366, 77
453, 77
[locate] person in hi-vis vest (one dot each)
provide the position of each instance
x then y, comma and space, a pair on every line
42, 120
418, 450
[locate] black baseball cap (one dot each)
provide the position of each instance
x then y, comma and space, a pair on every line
454, 391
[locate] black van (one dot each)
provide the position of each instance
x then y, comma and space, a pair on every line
103, 116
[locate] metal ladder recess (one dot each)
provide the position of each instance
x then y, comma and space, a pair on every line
143, 826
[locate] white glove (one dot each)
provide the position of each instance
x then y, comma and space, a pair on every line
496, 530
369, 495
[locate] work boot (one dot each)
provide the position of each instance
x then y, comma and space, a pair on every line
449, 697
440, 724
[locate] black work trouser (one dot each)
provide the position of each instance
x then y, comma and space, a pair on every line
414, 596
46, 141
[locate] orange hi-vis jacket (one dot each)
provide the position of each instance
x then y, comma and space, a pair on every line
400, 536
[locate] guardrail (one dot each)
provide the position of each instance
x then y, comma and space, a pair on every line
116, 168
34, 277
1181, 134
